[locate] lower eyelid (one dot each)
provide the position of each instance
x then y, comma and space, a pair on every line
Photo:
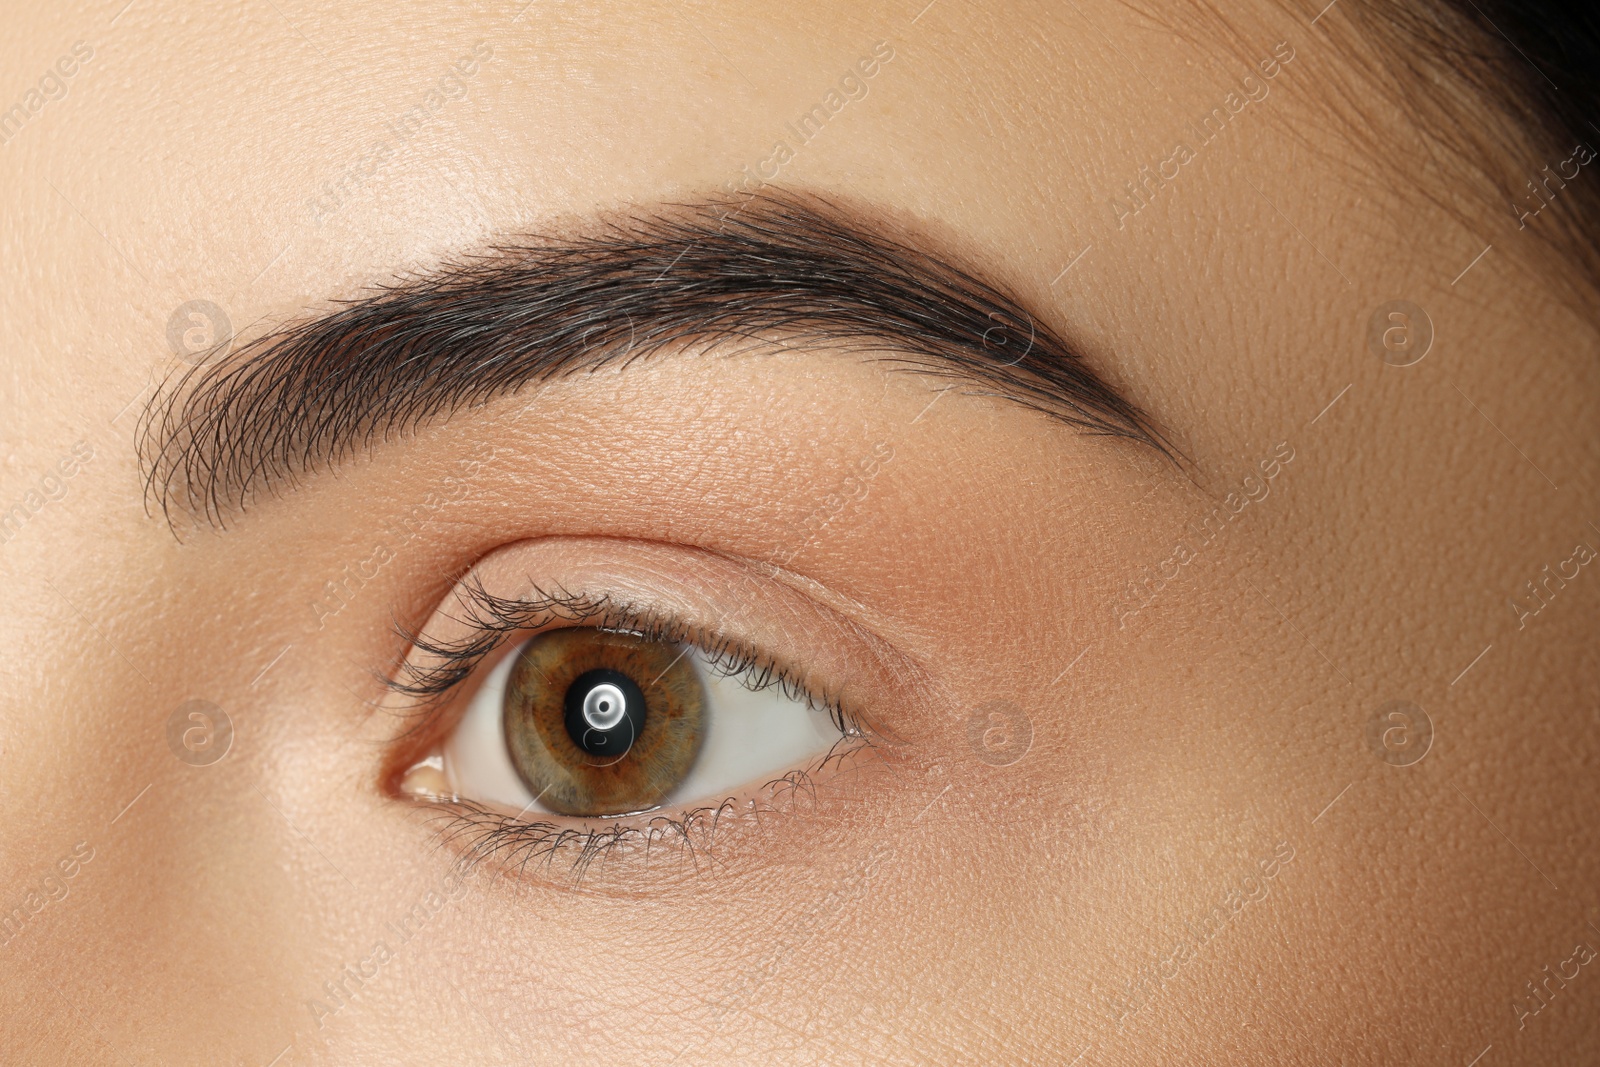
653, 849
627, 855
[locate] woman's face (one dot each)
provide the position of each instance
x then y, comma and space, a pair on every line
1280, 748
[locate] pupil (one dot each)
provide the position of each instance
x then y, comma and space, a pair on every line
605, 712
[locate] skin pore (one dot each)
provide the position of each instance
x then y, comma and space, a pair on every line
1198, 834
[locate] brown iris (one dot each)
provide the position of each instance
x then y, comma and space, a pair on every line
602, 723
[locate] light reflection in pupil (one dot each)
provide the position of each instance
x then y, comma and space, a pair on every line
604, 707
567, 685
606, 713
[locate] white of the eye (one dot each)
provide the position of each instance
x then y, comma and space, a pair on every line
750, 737
476, 763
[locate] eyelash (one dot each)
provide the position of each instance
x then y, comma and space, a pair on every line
482, 833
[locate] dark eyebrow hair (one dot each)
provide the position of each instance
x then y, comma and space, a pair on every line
778, 267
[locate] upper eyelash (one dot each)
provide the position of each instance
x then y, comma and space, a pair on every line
446, 664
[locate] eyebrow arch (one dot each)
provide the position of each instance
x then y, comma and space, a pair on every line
782, 267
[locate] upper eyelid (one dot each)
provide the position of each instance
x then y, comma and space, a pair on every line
839, 652
494, 619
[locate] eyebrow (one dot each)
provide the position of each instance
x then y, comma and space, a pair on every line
784, 268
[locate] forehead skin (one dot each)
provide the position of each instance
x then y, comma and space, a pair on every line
257, 156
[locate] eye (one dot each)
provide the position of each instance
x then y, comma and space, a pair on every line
593, 722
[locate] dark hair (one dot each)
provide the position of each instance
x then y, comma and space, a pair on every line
1536, 65
1549, 60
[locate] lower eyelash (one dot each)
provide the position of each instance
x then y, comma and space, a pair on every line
483, 835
